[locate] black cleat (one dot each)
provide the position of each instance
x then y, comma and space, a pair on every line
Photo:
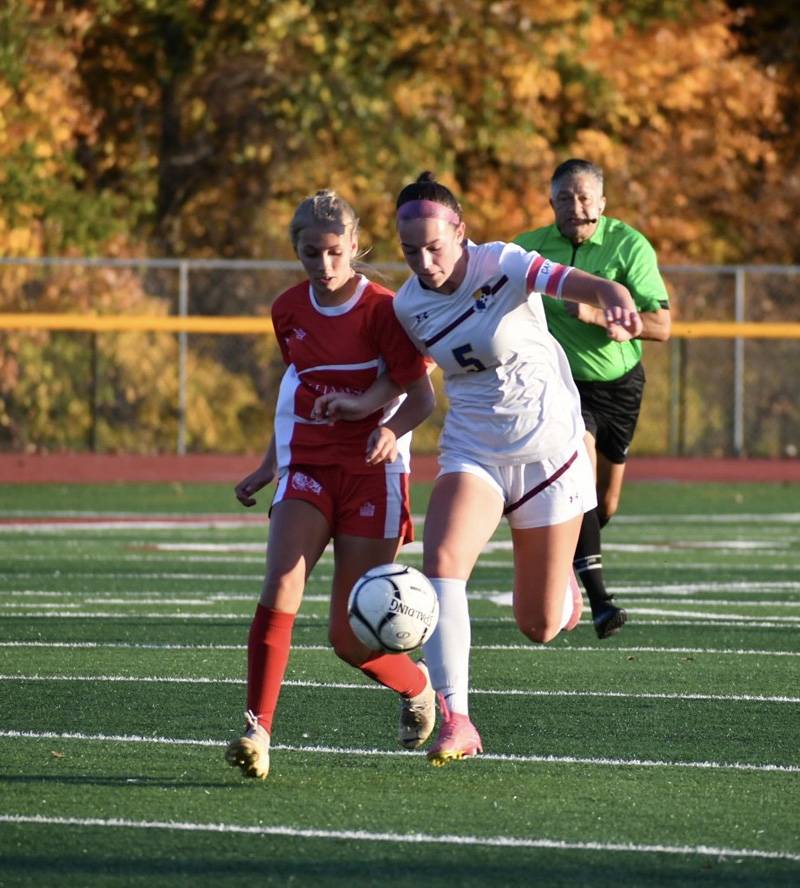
609, 621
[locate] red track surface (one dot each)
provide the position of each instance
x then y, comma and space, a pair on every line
75, 468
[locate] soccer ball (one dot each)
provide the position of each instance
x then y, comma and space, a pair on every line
393, 608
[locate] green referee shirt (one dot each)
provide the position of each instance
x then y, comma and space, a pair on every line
616, 252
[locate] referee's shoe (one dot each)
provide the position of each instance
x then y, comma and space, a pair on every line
609, 620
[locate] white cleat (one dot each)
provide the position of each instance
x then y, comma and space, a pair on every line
418, 714
250, 752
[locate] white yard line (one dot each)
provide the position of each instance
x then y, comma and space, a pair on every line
702, 602
9, 605
124, 524
124, 645
658, 612
658, 519
160, 575
525, 648
766, 545
133, 599
742, 622
650, 587
81, 515
641, 594
121, 614
155, 559
143, 557
354, 686
739, 623
506, 599
634, 649
395, 753
712, 518
402, 838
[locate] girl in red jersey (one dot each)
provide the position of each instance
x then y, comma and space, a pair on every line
346, 482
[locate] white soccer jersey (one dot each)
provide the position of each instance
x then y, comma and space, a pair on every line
512, 398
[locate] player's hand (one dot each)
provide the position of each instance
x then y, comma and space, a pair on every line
586, 314
381, 446
622, 323
336, 406
250, 485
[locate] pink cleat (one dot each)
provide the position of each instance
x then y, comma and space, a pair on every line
457, 738
577, 603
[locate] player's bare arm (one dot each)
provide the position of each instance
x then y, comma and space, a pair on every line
417, 407
656, 325
335, 406
621, 319
255, 481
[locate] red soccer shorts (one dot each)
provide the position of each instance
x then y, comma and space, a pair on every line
373, 505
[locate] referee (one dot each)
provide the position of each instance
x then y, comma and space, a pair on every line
609, 375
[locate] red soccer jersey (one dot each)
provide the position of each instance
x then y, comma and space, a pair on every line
338, 348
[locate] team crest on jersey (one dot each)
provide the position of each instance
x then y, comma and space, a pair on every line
299, 333
301, 481
423, 316
482, 300
484, 296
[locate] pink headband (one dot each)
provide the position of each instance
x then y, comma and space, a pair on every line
426, 209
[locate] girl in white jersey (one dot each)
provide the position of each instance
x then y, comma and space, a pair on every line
512, 442
348, 483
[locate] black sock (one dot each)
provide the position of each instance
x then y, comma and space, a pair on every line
588, 563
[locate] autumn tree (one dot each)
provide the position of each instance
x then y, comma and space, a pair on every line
217, 116
67, 390
193, 127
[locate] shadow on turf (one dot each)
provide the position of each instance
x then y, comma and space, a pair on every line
664, 873
132, 780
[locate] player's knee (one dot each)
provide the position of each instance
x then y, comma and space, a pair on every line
442, 563
282, 592
278, 593
539, 631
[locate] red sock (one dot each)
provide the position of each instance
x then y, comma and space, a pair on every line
267, 655
396, 671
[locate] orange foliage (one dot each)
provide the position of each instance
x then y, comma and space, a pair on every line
193, 128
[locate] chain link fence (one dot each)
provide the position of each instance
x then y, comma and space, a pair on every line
150, 391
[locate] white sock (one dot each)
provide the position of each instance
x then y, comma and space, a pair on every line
447, 650
566, 611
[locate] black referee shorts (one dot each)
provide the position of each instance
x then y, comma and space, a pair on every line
611, 411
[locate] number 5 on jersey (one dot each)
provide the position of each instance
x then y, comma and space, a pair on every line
472, 365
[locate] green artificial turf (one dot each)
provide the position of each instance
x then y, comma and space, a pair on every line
664, 755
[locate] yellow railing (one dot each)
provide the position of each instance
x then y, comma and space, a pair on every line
251, 325
734, 330
146, 323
